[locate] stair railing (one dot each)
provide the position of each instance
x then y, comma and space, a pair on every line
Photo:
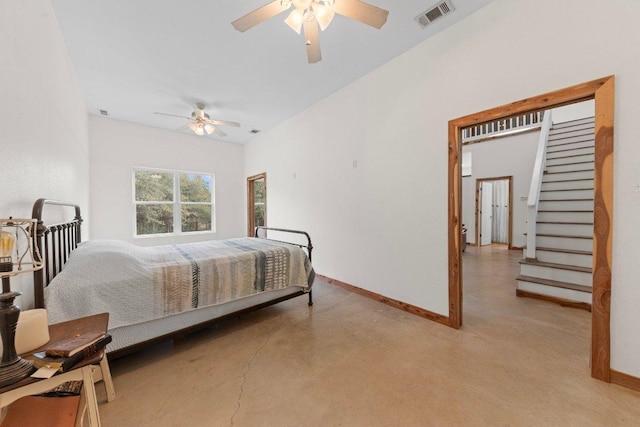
536, 183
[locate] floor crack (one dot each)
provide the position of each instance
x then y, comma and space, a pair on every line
244, 378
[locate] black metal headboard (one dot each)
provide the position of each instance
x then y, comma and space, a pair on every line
55, 242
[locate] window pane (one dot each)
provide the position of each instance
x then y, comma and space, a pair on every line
258, 190
154, 219
195, 188
258, 216
154, 186
196, 218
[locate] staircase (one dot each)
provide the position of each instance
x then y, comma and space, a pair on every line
564, 224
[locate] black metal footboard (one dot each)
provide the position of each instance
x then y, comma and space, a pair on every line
308, 246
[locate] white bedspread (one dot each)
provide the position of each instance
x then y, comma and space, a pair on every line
137, 284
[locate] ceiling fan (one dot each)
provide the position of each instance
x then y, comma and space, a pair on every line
313, 14
202, 123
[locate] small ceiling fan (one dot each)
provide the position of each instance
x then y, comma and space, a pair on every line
202, 123
311, 15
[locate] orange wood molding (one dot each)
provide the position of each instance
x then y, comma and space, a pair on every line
625, 380
602, 90
602, 232
556, 300
388, 301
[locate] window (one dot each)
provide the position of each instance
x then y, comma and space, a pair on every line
172, 202
257, 201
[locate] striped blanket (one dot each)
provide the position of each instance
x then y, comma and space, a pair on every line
207, 273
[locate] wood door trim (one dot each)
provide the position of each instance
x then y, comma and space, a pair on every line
251, 201
602, 90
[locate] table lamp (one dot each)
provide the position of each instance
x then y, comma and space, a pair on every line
14, 235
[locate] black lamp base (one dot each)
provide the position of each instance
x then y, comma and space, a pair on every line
12, 367
15, 371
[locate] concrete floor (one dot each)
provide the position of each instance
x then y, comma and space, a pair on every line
351, 361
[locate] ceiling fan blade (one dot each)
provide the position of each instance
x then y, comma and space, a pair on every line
312, 41
219, 132
174, 115
224, 123
363, 12
259, 15
183, 128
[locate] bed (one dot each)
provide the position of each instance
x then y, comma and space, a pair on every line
157, 293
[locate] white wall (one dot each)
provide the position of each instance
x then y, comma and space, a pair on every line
507, 156
117, 147
570, 112
43, 119
383, 225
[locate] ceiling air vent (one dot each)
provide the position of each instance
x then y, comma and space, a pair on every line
435, 12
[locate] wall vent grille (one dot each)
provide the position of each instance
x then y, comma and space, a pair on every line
436, 11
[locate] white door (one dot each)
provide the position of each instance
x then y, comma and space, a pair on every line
486, 198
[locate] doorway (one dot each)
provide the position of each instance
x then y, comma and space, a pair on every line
602, 90
494, 211
256, 202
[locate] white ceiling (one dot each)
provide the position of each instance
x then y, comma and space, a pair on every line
133, 58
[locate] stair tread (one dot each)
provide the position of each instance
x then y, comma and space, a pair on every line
535, 262
566, 200
568, 164
569, 156
563, 235
567, 251
564, 222
578, 170
568, 149
569, 180
584, 119
559, 135
567, 189
555, 283
555, 210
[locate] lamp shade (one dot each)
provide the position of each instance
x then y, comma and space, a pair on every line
324, 15
294, 20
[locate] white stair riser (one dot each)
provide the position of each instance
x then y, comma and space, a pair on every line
568, 176
573, 194
567, 258
568, 185
571, 130
562, 143
567, 276
570, 146
568, 294
567, 137
575, 152
571, 205
575, 124
568, 229
570, 243
565, 217
569, 160
555, 133
569, 167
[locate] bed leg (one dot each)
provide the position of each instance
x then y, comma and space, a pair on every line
310, 298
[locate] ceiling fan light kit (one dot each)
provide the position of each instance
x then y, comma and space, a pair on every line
311, 15
201, 122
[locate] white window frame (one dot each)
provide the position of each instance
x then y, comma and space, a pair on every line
177, 204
